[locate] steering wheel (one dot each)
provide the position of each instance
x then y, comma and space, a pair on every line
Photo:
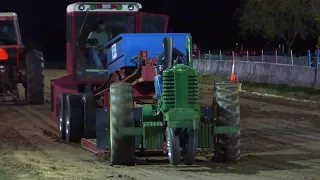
92, 43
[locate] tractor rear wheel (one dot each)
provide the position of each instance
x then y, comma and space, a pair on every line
190, 147
62, 115
89, 115
173, 146
74, 117
226, 106
35, 79
121, 116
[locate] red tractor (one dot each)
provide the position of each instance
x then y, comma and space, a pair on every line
88, 86
11, 52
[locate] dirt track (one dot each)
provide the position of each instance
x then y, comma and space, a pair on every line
280, 140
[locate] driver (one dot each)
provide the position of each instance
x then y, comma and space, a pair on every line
103, 37
6, 34
177, 56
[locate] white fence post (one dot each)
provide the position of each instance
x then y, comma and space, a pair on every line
199, 55
291, 57
247, 55
276, 57
220, 55
262, 55
232, 55
209, 55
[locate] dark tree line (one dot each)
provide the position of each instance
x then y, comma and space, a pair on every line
282, 19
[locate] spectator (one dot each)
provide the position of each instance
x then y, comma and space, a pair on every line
196, 49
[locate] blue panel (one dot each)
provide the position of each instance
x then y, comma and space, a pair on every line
122, 48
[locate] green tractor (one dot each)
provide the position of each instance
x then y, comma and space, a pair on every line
176, 122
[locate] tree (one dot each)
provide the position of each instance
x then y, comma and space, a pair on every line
284, 19
315, 9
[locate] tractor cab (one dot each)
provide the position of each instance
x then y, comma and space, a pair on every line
119, 18
10, 38
7, 33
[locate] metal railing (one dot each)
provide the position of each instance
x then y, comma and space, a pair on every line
269, 57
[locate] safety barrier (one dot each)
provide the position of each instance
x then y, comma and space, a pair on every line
298, 61
301, 76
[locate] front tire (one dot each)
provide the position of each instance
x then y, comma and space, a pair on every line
35, 78
173, 147
226, 105
121, 116
190, 148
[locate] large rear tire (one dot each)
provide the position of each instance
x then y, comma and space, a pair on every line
121, 116
190, 147
226, 105
89, 115
62, 115
35, 78
173, 147
74, 118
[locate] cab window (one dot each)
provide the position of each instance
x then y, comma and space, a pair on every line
8, 34
115, 24
151, 23
91, 62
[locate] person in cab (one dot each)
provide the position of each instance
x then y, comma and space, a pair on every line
102, 36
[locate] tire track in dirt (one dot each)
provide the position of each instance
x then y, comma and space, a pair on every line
282, 127
35, 126
35, 118
288, 130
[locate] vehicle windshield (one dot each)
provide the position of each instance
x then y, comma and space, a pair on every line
91, 60
115, 24
153, 23
7, 33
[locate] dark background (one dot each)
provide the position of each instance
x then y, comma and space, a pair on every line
212, 24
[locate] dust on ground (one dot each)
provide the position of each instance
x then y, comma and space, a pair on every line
280, 140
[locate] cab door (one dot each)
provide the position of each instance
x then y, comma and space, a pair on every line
153, 23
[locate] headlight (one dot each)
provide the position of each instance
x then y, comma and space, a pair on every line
81, 7
130, 7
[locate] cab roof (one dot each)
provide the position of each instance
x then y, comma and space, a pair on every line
8, 14
74, 7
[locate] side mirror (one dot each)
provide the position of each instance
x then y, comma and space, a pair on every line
168, 48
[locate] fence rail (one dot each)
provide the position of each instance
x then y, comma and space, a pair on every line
269, 57
262, 72
297, 61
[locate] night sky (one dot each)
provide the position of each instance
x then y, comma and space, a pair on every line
211, 23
